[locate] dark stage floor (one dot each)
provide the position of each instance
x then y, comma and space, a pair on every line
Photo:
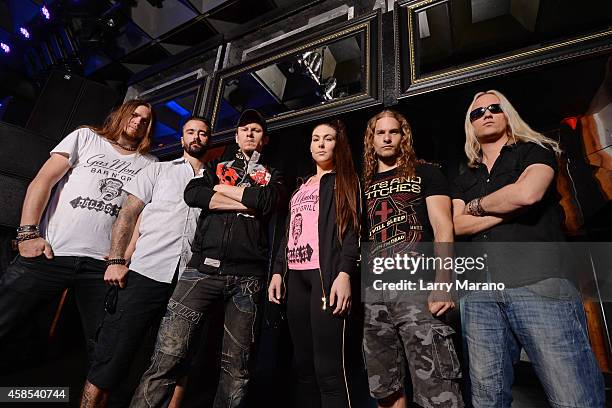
34, 361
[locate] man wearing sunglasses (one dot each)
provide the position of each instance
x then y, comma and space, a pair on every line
508, 195
137, 295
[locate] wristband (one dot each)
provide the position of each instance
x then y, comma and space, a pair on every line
26, 236
479, 210
475, 207
116, 261
27, 228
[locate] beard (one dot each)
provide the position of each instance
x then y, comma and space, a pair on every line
195, 150
134, 137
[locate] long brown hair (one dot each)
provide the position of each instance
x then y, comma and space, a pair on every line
118, 119
407, 159
346, 192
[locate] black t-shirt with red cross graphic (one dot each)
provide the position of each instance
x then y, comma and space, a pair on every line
397, 212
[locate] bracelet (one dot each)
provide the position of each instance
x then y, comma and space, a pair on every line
27, 228
475, 207
479, 210
26, 236
116, 261
470, 207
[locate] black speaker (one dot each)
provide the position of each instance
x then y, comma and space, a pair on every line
23, 153
95, 103
68, 101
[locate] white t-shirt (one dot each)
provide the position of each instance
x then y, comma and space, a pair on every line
168, 225
86, 201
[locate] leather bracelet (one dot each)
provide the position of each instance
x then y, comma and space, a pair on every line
27, 228
26, 236
475, 208
479, 210
116, 261
470, 207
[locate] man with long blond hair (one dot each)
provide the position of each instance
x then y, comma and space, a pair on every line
67, 215
508, 195
407, 204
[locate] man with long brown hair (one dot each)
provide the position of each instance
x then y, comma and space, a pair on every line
67, 216
407, 204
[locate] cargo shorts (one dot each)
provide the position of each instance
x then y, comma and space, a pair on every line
394, 329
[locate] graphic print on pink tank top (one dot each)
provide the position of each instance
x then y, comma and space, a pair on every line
303, 240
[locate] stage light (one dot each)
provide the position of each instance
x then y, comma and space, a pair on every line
5, 48
45, 12
24, 32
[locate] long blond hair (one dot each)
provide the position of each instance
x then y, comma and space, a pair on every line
518, 130
407, 159
118, 119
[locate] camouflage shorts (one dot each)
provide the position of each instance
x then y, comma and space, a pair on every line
394, 328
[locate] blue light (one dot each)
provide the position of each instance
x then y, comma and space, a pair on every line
45, 12
5, 48
24, 32
177, 108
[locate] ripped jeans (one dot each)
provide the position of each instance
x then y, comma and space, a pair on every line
192, 298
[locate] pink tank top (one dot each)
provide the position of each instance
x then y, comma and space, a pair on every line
303, 240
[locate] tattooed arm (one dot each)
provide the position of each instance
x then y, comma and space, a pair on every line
132, 245
123, 229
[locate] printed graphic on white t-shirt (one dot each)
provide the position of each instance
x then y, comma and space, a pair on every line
87, 200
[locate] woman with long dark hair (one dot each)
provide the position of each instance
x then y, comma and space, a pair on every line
317, 259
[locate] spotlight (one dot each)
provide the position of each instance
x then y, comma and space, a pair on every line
24, 32
5, 47
45, 12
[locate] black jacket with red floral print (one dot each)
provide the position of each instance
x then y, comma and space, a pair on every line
233, 242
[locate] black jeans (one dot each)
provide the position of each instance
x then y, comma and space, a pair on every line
138, 306
192, 298
318, 344
29, 282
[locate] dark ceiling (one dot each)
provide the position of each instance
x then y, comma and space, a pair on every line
111, 40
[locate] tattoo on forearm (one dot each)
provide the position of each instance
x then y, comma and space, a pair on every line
124, 226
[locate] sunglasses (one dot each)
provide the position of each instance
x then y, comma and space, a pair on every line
479, 112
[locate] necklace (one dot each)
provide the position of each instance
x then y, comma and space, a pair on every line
128, 148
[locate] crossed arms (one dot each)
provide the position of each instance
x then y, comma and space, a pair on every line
505, 202
205, 192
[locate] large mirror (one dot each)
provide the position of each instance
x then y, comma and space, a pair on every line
446, 38
174, 98
332, 70
170, 113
